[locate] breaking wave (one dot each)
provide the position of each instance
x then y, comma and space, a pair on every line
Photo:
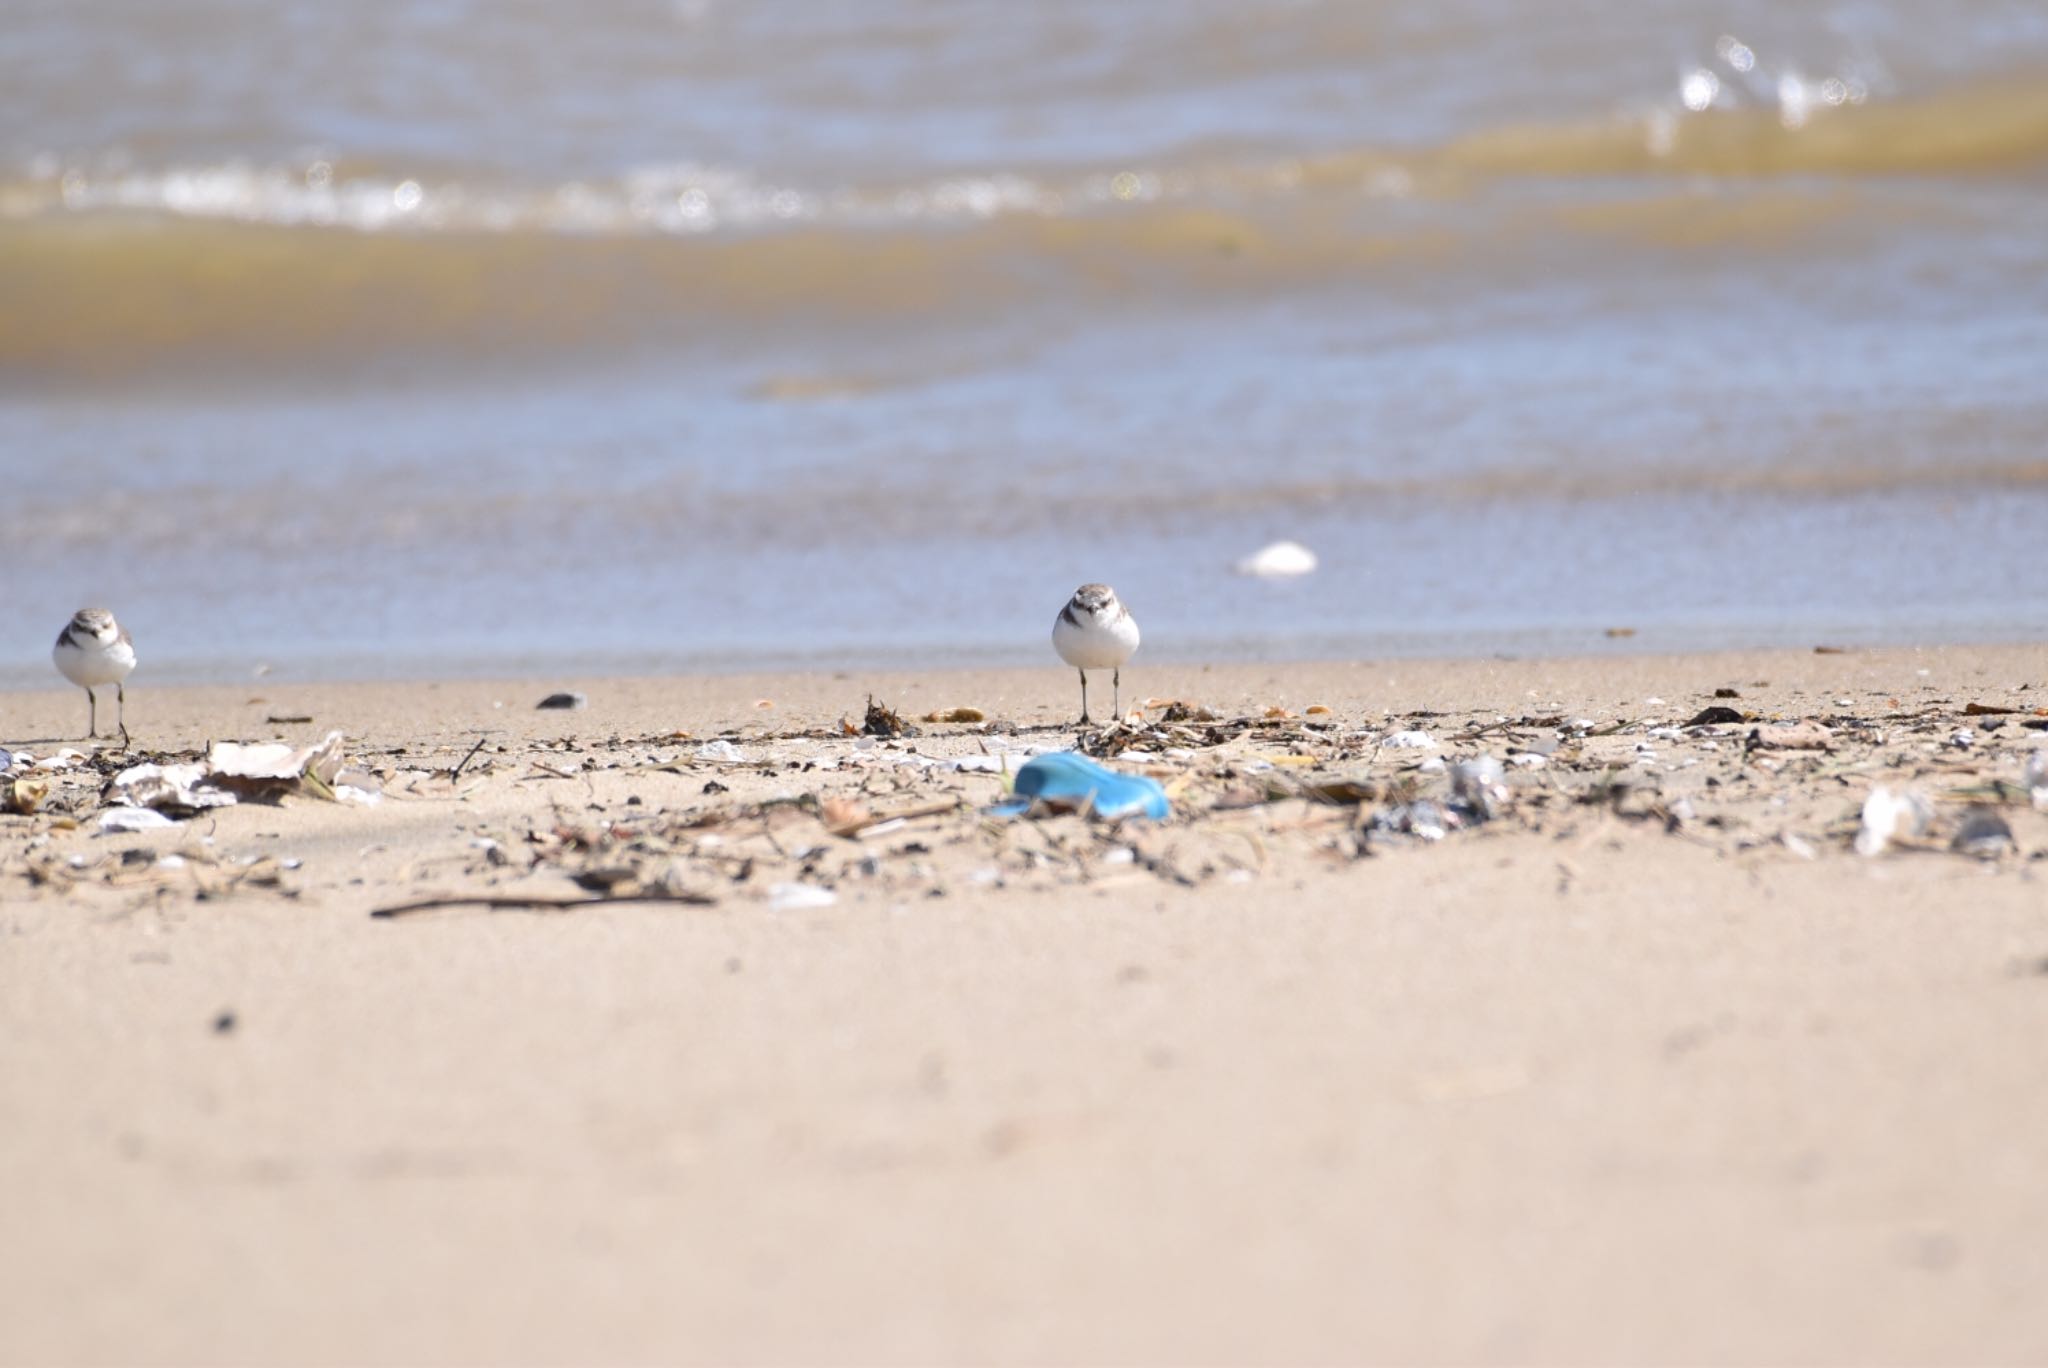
107, 271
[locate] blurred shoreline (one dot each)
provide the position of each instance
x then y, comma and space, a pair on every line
461, 338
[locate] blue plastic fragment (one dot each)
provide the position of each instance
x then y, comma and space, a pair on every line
1065, 780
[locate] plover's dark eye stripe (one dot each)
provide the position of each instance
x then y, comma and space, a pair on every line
1068, 616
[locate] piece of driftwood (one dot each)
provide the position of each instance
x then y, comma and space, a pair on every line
505, 903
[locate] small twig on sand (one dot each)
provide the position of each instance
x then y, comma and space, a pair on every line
456, 773
855, 827
536, 904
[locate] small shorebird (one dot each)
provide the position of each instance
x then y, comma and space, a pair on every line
93, 649
1096, 632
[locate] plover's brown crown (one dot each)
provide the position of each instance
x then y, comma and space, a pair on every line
1094, 598
91, 624
1094, 602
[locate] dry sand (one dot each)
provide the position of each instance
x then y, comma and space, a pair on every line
1623, 1076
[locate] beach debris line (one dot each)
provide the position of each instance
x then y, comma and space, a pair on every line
663, 818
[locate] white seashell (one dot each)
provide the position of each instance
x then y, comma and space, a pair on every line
159, 786
276, 760
1281, 560
133, 819
788, 897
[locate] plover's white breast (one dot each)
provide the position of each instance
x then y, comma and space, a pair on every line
1095, 636
93, 651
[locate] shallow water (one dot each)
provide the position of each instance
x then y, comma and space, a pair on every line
411, 337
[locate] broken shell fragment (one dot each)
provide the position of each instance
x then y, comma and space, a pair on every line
1480, 784
790, 897
1422, 818
1984, 834
167, 788
23, 796
1889, 816
228, 760
122, 819
845, 816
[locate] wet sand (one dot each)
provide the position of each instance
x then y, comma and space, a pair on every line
1651, 1068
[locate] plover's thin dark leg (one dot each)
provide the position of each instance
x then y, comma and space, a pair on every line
1116, 693
1084, 696
92, 713
121, 709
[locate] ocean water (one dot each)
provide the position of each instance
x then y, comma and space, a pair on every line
414, 337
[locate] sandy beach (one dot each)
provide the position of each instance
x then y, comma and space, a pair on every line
1651, 1067
1592, 920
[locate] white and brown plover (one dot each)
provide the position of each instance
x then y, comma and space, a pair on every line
1096, 632
92, 650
